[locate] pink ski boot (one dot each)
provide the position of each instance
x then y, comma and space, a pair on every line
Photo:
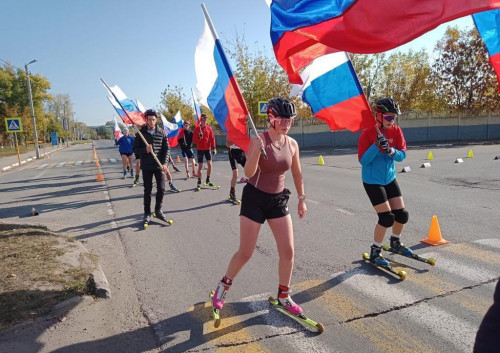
286, 301
220, 295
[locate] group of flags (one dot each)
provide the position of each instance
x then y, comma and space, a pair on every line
310, 39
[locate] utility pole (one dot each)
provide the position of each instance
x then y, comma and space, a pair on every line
33, 121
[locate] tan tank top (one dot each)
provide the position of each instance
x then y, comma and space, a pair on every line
270, 175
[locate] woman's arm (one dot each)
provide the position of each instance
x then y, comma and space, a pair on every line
253, 155
298, 179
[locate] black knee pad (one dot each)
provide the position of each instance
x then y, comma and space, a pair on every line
386, 219
401, 215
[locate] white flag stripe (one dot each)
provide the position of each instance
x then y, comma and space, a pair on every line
204, 64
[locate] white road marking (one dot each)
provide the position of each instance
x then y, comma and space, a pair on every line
494, 243
345, 211
79, 163
470, 272
42, 166
60, 164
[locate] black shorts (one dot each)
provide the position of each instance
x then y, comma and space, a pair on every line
259, 205
188, 152
137, 156
237, 155
206, 153
125, 154
381, 193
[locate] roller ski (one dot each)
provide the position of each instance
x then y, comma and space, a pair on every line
136, 182
298, 316
211, 185
217, 299
161, 216
173, 188
380, 262
232, 197
397, 247
214, 312
146, 220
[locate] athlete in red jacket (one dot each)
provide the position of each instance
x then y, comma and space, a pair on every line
204, 138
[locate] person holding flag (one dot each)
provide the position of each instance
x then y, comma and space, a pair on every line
265, 198
185, 139
379, 148
126, 144
157, 143
204, 138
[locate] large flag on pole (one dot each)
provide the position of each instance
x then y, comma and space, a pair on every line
302, 30
118, 131
488, 26
217, 87
134, 115
332, 89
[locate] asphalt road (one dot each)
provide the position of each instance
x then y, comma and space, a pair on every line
160, 278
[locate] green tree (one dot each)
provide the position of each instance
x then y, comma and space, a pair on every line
260, 78
406, 78
172, 100
369, 69
462, 74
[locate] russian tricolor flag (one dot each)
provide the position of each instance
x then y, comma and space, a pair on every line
172, 128
119, 101
118, 131
488, 26
302, 30
333, 91
218, 89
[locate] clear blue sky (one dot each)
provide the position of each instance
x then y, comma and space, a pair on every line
142, 46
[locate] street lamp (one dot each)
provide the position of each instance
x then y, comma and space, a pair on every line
37, 152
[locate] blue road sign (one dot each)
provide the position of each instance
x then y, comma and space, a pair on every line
13, 124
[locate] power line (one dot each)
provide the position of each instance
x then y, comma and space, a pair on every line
9, 64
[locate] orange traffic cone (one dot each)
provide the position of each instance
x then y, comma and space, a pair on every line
95, 155
97, 163
99, 176
178, 159
434, 237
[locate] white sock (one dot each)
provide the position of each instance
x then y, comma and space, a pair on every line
396, 235
377, 244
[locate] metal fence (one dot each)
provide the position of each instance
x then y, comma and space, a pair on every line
418, 127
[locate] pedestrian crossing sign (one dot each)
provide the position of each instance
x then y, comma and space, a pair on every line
263, 108
13, 124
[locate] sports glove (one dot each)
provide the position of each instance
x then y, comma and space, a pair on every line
381, 141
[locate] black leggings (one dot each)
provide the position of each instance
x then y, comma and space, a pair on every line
381, 193
147, 179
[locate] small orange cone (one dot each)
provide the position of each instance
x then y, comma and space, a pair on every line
95, 155
99, 176
178, 159
434, 237
97, 163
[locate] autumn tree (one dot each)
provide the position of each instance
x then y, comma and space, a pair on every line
368, 69
14, 100
174, 99
462, 74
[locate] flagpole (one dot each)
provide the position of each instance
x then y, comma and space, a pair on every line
133, 123
237, 89
194, 106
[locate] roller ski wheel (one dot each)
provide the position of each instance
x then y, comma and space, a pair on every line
162, 218
146, 220
214, 312
400, 274
234, 200
301, 318
431, 261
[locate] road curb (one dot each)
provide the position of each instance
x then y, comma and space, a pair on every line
97, 282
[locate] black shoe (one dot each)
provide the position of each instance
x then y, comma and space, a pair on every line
160, 215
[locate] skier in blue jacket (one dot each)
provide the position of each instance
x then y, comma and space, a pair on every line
377, 154
126, 146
